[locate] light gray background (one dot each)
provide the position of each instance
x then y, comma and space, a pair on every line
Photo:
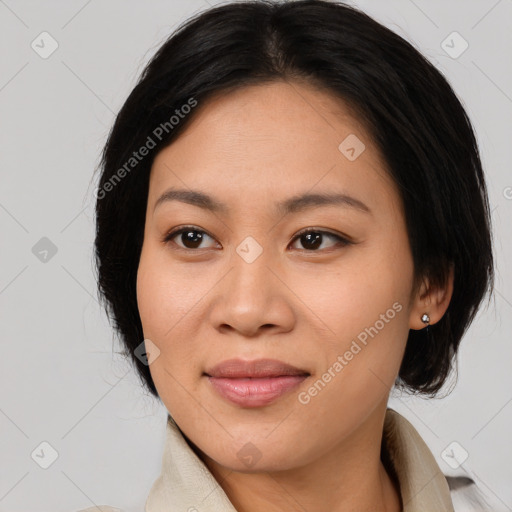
61, 379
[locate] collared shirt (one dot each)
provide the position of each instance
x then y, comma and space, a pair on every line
187, 485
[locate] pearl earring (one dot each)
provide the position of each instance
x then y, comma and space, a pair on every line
425, 318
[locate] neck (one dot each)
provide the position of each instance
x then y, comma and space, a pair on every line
351, 476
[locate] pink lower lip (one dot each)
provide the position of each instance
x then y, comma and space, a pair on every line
255, 392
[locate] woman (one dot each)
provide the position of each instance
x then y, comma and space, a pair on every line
292, 218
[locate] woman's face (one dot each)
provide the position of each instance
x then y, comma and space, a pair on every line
240, 283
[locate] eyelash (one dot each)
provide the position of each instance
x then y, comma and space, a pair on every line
342, 241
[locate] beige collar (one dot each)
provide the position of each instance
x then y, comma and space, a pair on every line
423, 486
186, 483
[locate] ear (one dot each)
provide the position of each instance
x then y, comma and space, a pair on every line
431, 300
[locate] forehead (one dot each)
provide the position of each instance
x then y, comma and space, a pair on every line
270, 140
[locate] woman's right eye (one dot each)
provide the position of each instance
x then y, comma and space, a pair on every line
191, 237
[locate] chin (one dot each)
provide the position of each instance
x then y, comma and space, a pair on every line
255, 457
261, 465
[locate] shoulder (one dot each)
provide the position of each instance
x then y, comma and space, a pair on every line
466, 495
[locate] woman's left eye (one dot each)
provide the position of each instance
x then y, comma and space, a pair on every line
311, 239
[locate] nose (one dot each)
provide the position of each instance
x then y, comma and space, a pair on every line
253, 298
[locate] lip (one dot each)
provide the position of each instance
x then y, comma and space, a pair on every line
254, 383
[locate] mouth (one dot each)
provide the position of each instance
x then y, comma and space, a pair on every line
254, 383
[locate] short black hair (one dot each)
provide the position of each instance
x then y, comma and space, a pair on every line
407, 106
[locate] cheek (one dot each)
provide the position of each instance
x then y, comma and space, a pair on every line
165, 294
166, 308
365, 304
353, 294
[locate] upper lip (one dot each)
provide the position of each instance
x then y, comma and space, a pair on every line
238, 368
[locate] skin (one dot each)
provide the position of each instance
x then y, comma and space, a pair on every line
304, 306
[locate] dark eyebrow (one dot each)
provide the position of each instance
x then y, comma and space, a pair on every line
305, 201
192, 197
292, 205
